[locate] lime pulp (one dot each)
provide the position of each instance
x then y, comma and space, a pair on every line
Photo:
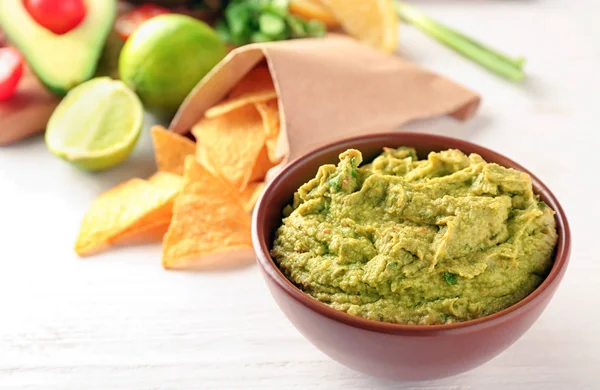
96, 125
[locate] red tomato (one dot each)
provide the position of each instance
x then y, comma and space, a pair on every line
58, 16
127, 23
11, 70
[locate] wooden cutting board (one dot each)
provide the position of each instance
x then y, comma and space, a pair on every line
27, 112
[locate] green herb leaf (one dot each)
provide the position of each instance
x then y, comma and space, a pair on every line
450, 278
335, 184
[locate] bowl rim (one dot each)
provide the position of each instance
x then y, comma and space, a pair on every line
561, 257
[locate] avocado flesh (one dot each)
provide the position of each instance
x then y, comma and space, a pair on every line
60, 61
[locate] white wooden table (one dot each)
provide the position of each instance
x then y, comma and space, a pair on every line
118, 321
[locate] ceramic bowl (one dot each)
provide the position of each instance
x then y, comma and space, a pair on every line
402, 352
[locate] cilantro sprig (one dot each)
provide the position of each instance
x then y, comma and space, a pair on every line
251, 21
450, 278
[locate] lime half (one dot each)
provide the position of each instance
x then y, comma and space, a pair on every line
96, 125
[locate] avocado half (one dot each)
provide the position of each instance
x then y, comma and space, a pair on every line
60, 61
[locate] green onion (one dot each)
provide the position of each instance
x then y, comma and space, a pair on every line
315, 28
258, 37
271, 25
277, 7
238, 17
246, 21
501, 64
297, 26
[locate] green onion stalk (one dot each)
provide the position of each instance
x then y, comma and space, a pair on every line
491, 59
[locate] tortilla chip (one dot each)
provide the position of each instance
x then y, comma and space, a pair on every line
232, 144
170, 150
209, 227
261, 166
202, 158
256, 86
269, 111
129, 207
168, 183
146, 234
166, 180
251, 194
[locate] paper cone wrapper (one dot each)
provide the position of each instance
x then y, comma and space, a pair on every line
330, 89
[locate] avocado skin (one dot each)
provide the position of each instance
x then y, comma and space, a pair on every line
48, 54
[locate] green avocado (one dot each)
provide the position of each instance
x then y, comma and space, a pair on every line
60, 61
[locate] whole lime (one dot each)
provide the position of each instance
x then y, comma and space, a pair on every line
166, 57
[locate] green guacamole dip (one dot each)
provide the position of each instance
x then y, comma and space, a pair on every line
436, 241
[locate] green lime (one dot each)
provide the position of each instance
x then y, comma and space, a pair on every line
96, 125
166, 57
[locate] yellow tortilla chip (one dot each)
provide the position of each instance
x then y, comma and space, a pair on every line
127, 208
171, 149
168, 183
209, 227
153, 232
232, 143
202, 158
256, 86
251, 194
230, 105
166, 180
269, 111
261, 166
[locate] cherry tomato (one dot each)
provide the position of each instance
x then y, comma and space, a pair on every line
11, 70
127, 23
58, 16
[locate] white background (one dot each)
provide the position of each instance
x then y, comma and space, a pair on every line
119, 321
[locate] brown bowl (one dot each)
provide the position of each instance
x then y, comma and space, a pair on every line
403, 352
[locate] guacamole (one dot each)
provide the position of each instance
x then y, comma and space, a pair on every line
436, 241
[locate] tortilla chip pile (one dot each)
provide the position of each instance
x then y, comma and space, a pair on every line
200, 200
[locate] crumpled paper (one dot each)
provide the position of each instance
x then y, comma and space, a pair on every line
330, 89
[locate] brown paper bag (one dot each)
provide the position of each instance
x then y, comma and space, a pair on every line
330, 89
